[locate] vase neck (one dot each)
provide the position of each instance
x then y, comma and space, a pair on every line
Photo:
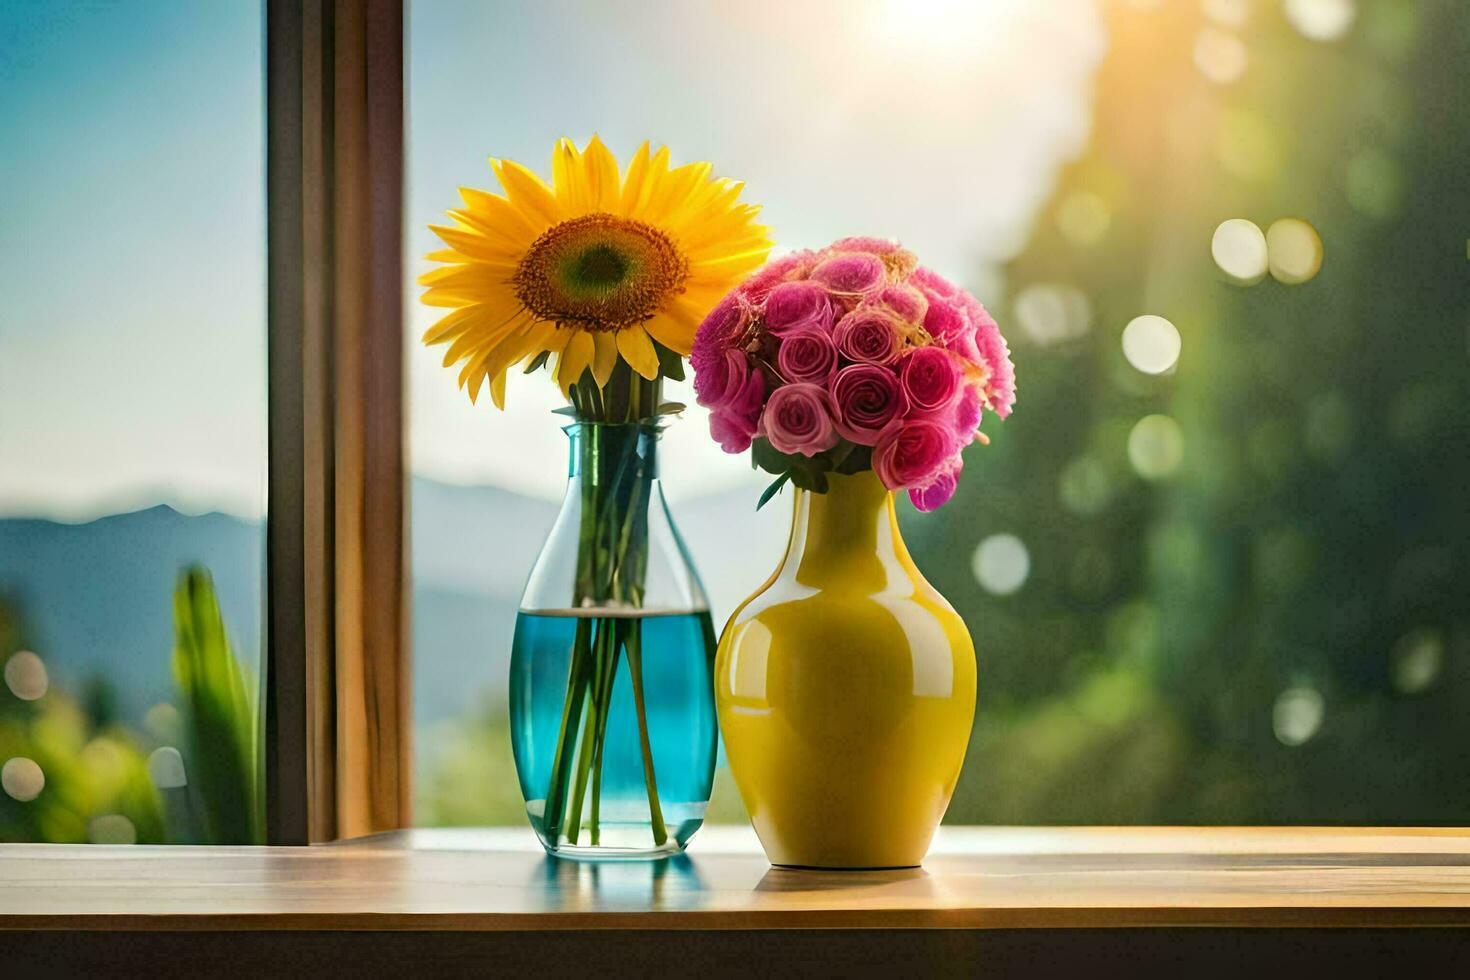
848, 534
603, 453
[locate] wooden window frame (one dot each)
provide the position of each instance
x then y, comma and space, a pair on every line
337, 664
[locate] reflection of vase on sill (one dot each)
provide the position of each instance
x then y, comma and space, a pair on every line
846, 688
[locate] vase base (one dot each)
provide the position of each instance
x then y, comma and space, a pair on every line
848, 868
573, 852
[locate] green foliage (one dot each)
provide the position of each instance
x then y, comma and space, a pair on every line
806, 472
218, 702
95, 772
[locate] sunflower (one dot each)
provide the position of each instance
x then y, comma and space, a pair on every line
599, 270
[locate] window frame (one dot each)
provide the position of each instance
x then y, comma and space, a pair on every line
337, 711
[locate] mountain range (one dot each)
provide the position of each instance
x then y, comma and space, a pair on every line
94, 599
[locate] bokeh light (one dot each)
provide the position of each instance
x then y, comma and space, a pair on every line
1001, 564
1295, 250
1085, 486
1240, 250
1156, 447
1416, 660
25, 675
1083, 218
1321, 20
1151, 343
1050, 313
1220, 56
1297, 715
1228, 13
22, 779
166, 768
111, 828
163, 722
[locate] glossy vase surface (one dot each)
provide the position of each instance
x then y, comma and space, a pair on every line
846, 690
611, 702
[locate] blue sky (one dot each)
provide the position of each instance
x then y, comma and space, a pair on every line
132, 343
132, 334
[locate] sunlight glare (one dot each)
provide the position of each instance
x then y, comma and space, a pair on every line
1239, 249
1295, 250
1151, 343
1321, 20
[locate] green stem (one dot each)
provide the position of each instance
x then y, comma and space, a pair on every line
632, 642
609, 678
571, 717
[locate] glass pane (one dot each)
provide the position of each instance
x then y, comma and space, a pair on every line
132, 417
1214, 562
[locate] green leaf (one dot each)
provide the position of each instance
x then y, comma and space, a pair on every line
538, 362
772, 490
570, 411
670, 364
766, 457
218, 699
859, 458
671, 408
810, 478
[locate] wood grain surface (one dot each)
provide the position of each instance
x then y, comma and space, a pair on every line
974, 879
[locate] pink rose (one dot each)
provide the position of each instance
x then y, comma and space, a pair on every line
945, 321
722, 379
731, 432
911, 453
866, 398
967, 414
932, 379
735, 423
720, 329
938, 491
854, 272
993, 352
807, 354
798, 420
897, 260
868, 335
933, 282
905, 302
773, 273
796, 305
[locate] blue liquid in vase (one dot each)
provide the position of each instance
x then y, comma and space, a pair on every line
677, 660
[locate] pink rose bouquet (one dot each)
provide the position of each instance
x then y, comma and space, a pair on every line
848, 359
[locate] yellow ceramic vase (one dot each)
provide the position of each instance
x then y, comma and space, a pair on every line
846, 690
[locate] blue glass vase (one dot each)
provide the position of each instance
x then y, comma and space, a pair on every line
611, 693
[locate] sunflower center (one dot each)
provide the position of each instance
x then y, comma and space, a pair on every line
599, 272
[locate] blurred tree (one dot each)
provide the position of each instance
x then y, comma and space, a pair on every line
1249, 608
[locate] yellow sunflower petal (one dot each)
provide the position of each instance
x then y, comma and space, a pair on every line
526, 192
569, 178
471, 276
672, 334
637, 350
633, 181
604, 357
494, 215
574, 359
477, 246
603, 188
532, 343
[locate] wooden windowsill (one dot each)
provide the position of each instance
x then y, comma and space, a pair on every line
975, 880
